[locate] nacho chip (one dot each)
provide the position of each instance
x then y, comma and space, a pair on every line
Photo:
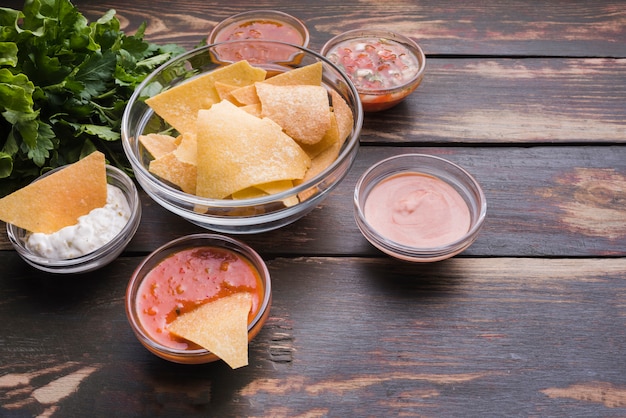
343, 114
224, 90
59, 199
158, 144
330, 138
308, 75
246, 95
179, 105
302, 111
180, 173
253, 109
220, 326
187, 151
237, 150
179, 166
248, 193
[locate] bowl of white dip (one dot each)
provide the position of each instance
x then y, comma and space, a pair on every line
97, 239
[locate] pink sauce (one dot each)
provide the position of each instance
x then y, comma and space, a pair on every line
417, 210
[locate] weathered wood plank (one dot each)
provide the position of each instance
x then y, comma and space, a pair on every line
346, 337
542, 201
504, 101
539, 28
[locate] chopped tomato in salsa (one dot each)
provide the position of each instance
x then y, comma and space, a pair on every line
189, 278
260, 29
375, 63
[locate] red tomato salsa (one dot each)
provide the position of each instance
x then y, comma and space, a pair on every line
375, 63
189, 278
260, 29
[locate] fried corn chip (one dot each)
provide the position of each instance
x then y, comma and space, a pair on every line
343, 115
158, 144
302, 111
224, 90
308, 75
179, 105
237, 150
220, 326
330, 138
246, 95
59, 199
179, 166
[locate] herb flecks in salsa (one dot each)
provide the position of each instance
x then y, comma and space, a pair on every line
375, 63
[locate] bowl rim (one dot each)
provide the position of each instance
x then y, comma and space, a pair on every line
406, 41
407, 252
297, 23
135, 282
344, 155
83, 263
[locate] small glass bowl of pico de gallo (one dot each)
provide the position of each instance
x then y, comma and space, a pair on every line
384, 66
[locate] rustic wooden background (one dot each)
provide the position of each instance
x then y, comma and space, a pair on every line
528, 96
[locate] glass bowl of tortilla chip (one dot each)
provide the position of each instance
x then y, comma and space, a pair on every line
242, 146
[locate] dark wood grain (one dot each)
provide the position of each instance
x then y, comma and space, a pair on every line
530, 28
542, 201
529, 97
346, 337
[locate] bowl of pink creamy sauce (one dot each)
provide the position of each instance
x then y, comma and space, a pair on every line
418, 207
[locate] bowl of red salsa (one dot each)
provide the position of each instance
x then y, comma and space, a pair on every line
384, 66
272, 25
182, 275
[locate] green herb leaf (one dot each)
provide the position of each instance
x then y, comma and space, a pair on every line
64, 84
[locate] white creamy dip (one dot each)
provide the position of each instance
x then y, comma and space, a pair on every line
91, 232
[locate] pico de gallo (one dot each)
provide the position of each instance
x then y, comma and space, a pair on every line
381, 69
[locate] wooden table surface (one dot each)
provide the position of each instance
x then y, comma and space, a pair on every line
528, 96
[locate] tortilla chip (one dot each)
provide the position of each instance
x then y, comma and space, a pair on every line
246, 95
237, 150
158, 144
180, 173
308, 75
248, 193
224, 90
302, 111
253, 109
59, 199
220, 326
321, 161
330, 138
179, 105
187, 151
343, 114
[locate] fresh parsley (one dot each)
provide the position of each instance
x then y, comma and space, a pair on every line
64, 84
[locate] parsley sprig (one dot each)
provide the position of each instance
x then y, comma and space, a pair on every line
64, 84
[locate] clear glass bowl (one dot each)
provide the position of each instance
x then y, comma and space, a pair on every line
375, 100
221, 32
245, 215
190, 241
98, 258
442, 169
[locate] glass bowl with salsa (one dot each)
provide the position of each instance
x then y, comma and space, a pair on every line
185, 273
254, 25
247, 214
419, 208
82, 248
384, 66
